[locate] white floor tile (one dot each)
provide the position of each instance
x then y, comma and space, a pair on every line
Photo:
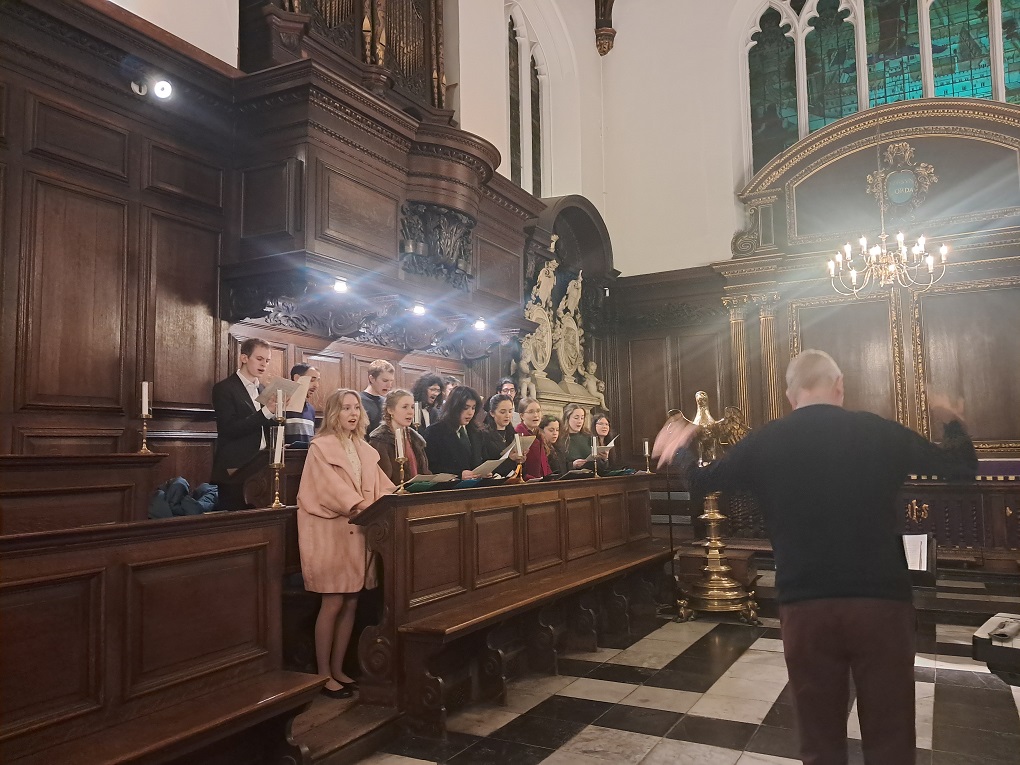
960, 663
562, 757
753, 758
381, 758
599, 654
521, 702
731, 708
666, 699
597, 690
616, 746
652, 654
670, 752
480, 721
768, 644
744, 688
924, 716
548, 684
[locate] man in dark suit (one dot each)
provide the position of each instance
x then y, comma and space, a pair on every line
381, 376
826, 480
242, 426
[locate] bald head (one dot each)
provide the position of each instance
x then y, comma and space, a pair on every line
813, 377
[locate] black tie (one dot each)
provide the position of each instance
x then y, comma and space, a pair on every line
462, 435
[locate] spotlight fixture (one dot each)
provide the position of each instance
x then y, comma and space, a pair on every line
480, 324
162, 89
418, 310
340, 285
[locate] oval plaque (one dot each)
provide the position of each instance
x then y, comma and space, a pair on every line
900, 186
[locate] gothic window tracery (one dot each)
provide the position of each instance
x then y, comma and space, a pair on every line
831, 64
526, 79
773, 84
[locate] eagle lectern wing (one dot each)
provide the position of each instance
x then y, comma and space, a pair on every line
732, 427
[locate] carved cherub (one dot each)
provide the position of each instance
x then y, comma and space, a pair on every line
522, 370
594, 385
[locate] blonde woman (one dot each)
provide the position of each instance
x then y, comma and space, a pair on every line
340, 479
398, 412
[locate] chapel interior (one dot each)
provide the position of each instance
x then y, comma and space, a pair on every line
618, 204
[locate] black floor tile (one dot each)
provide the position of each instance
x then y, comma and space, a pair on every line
618, 641
708, 730
1002, 718
1004, 589
772, 632
652, 722
713, 666
492, 751
780, 742
969, 679
538, 731
575, 667
781, 716
924, 674
958, 758
681, 681
926, 644
976, 690
987, 744
566, 708
423, 748
621, 673
952, 649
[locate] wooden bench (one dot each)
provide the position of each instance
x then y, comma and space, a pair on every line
479, 583
148, 642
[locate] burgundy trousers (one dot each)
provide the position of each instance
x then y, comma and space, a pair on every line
825, 641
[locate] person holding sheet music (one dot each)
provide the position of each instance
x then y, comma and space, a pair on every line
601, 429
300, 426
453, 444
826, 480
530, 411
398, 415
341, 478
497, 433
543, 457
576, 437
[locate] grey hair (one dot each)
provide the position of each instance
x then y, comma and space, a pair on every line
811, 369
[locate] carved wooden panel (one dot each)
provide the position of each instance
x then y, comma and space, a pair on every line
864, 336
353, 214
409, 372
279, 358
43, 509
639, 514
701, 365
271, 199
84, 360
966, 347
331, 372
652, 396
435, 567
183, 257
61, 619
612, 520
499, 271
582, 527
43, 440
542, 535
170, 633
456, 374
188, 454
57, 132
173, 172
496, 540
3, 113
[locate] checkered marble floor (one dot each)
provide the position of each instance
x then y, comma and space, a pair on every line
711, 693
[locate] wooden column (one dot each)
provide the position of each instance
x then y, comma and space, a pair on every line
738, 307
772, 384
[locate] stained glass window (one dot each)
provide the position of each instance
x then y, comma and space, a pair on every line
1011, 48
515, 104
773, 81
536, 131
959, 48
894, 52
831, 59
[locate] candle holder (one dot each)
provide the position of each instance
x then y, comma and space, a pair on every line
277, 466
400, 486
145, 434
648, 463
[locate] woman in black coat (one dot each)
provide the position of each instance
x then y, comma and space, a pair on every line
453, 444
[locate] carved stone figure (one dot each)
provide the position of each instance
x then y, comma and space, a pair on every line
572, 298
594, 385
541, 294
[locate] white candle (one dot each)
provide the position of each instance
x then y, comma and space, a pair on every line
145, 400
594, 447
930, 260
398, 440
853, 276
647, 452
517, 443
417, 414
832, 269
278, 446
279, 404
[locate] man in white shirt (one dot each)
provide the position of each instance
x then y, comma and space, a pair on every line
242, 426
381, 377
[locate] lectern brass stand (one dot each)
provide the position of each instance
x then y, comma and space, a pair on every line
716, 591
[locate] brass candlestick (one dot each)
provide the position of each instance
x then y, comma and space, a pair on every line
277, 466
648, 463
400, 486
277, 504
145, 433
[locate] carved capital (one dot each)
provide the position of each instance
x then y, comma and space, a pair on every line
766, 304
737, 305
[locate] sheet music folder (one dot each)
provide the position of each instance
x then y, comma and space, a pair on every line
920, 553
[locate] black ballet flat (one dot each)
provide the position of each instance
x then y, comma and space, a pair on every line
343, 692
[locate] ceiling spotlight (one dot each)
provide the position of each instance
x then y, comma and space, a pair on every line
139, 88
162, 89
340, 285
480, 324
418, 310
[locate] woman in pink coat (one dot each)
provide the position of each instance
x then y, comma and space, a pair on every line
340, 479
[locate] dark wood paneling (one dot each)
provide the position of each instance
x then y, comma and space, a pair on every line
44, 440
435, 567
582, 526
499, 271
353, 214
638, 514
164, 595
496, 542
183, 257
651, 393
4, 109
331, 372
270, 199
43, 509
189, 454
56, 132
60, 616
962, 331
408, 373
700, 367
84, 359
280, 357
612, 520
542, 535
174, 172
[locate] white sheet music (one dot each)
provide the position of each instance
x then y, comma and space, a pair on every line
916, 548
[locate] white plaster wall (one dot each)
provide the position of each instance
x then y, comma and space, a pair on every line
207, 24
674, 132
